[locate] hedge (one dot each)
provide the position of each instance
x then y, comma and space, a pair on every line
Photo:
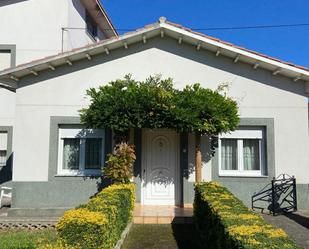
223, 221
99, 223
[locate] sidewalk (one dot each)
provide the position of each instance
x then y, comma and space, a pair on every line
296, 225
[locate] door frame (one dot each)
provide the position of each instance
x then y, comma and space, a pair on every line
177, 193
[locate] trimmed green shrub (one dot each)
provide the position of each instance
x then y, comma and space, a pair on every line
223, 221
99, 223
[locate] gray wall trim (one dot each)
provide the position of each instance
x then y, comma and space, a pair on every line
245, 187
58, 191
12, 49
9, 131
268, 125
55, 122
138, 163
108, 142
184, 175
6, 171
53, 194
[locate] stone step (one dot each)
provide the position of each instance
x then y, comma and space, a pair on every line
162, 220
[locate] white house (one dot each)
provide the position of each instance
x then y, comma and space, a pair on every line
33, 29
52, 169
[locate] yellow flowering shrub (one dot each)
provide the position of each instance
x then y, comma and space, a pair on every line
99, 223
224, 221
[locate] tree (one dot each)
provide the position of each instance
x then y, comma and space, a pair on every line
204, 112
154, 103
127, 103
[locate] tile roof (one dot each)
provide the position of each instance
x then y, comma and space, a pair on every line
163, 23
235, 46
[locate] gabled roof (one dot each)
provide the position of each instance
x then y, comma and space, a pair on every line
162, 28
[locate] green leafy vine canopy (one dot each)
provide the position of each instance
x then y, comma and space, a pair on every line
154, 103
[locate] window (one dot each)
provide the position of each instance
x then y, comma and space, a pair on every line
2, 158
242, 153
5, 59
3, 148
80, 151
7, 56
91, 26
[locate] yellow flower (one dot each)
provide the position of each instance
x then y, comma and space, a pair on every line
276, 233
248, 216
81, 216
252, 241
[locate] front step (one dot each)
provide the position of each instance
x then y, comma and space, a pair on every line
162, 220
161, 214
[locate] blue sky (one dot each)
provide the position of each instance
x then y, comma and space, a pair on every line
289, 44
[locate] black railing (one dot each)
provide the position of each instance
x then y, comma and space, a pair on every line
278, 197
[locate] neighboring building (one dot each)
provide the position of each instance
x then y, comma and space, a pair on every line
53, 170
32, 29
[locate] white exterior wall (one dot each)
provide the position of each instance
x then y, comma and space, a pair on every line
75, 38
7, 107
259, 93
34, 26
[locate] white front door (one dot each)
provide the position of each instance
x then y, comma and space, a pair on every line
160, 167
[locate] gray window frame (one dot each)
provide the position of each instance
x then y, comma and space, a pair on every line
57, 122
268, 125
12, 49
9, 150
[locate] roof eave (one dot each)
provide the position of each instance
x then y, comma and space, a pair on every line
219, 48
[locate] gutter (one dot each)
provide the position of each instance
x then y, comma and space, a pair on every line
8, 87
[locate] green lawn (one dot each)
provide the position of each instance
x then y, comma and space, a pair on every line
182, 236
25, 239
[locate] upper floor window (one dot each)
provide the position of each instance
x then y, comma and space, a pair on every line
7, 56
80, 151
91, 26
3, 148
242, 153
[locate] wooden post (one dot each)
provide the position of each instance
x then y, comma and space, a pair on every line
198, 158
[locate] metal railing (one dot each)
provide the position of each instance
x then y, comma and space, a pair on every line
279, 196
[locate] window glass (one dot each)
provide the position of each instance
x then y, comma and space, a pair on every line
2, 157
71, 151
80, 151
93, 153
241, 152
251, 154
91, 25
229, 154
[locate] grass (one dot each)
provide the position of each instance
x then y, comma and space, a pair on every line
25, 239
171, 236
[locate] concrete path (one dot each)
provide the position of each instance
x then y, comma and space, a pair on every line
158, 236
296, 225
